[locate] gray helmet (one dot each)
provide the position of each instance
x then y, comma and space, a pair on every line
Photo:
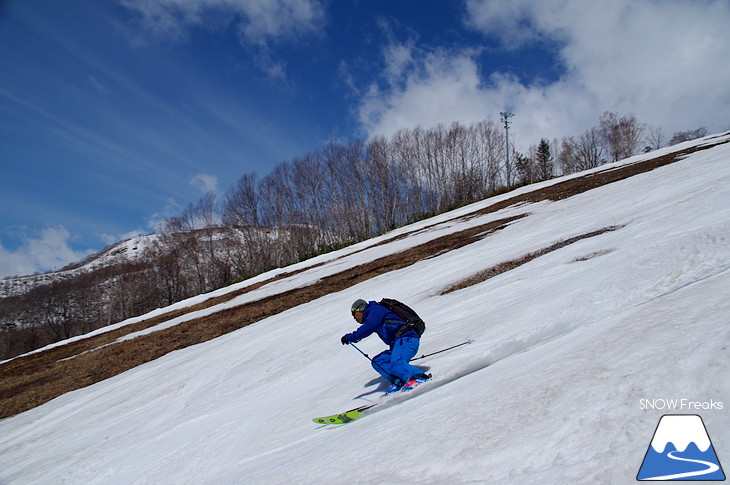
359, 305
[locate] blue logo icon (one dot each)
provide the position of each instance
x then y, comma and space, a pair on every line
681, 450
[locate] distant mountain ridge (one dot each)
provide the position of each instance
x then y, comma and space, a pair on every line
120, 253
210, 315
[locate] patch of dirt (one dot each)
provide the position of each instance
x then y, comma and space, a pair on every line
29, 381
26, 382
515, 263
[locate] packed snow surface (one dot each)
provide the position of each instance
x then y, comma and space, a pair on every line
576, 355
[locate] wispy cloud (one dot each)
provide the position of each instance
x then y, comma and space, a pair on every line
265, 20
205, 183
98, 86
259, 23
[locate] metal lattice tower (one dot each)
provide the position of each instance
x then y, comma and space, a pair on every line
505, 119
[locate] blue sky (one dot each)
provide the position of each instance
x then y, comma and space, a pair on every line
115, 114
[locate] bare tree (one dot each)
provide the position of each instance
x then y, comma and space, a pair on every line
55, 308
584, 153
491, 146
383, 187
436, 170
462, 164
241, 204
204, 213
621, 135
174, 224
354, 179
654, 138
168, 271
409, 170
277, 210
682, 136
276, 196
310, 193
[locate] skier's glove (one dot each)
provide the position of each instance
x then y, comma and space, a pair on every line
344, 340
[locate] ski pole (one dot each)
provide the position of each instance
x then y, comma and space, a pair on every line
442, 350
373, 362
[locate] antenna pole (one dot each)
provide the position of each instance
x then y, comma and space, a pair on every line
505, 119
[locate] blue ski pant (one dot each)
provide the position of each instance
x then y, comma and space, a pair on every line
394, 363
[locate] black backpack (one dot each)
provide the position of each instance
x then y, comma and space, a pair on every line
413, 321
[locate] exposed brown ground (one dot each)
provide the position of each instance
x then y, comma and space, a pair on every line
514, 263
29, 381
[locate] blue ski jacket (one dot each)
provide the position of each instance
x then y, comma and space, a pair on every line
378, 319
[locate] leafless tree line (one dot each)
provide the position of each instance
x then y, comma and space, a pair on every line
349, 191
614, 138
331, 197
176, 266
57, 311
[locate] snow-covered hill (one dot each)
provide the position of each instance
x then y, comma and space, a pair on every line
129, 251
576, 354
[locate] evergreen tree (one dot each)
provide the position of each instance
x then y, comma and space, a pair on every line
544, 160
525, 168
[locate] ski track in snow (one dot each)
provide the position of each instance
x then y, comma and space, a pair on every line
564, 348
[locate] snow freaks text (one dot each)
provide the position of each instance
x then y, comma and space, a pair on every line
679, 405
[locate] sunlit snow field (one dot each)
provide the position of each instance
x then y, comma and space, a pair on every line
567, 349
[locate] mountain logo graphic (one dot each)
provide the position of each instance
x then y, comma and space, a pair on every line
681, 450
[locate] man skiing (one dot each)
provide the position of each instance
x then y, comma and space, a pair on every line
402, 339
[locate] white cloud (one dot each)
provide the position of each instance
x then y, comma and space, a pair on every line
509, 22
434, 88
49, 251
205, 183
661, 60
279, 19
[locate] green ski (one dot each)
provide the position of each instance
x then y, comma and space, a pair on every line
344, 417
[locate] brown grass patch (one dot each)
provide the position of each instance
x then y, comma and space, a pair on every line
29, 381
515, 263
26, 382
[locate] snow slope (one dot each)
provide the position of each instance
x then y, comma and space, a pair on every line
568, 349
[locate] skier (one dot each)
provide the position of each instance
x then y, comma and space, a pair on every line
402, 340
